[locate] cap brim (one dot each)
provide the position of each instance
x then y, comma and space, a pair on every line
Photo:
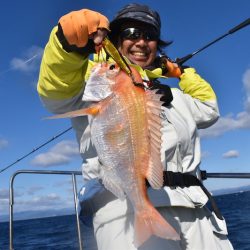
115, 25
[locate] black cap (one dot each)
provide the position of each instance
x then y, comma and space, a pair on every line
136, 12
139, 13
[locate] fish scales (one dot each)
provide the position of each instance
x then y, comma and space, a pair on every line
122, 130
127, 158
122, 126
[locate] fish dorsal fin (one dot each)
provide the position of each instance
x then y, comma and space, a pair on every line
154, 172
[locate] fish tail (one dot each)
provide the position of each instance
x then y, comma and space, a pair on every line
150, 222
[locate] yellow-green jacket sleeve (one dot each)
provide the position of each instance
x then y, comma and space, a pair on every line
200, 98
62, 74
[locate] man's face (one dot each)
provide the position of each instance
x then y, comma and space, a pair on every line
137, 45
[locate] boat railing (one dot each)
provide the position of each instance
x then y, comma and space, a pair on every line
73, 174
46, 172
206, 175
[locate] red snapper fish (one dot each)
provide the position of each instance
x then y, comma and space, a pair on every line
125, 129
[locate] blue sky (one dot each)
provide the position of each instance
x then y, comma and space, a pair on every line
25, 29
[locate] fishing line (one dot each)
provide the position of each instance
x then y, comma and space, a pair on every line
35, 149
13, 67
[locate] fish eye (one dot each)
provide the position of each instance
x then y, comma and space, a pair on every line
112, 70
112, 66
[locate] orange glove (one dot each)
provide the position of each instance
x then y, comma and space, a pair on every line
79, 25
173, 69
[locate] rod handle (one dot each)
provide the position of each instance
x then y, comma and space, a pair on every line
240, 26
180, 61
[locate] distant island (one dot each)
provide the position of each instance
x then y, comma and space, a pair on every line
230, 190
28, 215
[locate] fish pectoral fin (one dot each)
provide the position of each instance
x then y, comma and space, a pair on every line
92, 110
85, 140
111, 182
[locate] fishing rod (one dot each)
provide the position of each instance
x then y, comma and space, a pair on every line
180, 61
35, 149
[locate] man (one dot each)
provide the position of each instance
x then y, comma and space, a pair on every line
64, 70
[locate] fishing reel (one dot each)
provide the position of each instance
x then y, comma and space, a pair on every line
161, 62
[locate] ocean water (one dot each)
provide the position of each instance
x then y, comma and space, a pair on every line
60, 233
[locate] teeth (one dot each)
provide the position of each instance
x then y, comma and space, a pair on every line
139, 54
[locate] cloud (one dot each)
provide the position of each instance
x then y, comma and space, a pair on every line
39, 202
231, 154
29, 62
34, 189
62, 183
4, 194
232, 122
46, 198
42, 202
50, 201
3, 143
61, 153
226, 124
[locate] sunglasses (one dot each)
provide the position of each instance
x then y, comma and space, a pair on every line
135, 33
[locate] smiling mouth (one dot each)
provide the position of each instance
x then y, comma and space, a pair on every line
139, 54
